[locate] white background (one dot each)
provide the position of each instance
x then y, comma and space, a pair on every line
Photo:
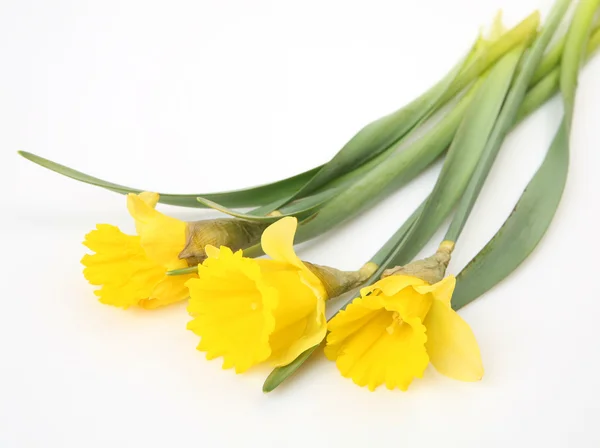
199, 96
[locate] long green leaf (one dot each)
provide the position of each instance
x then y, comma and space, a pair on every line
379, 136
547, 87
386, 175
506, 120
531, 217
380, 139
542, 90
302, 207
398, 169
311, 208
463, 156
279, 374
536, 96
370, 143
551, 59
355, 186
238, 198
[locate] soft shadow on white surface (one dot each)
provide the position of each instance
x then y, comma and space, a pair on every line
202, 96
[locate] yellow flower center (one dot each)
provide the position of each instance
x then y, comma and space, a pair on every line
396, 322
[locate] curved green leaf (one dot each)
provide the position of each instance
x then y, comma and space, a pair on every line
544, 89
531, 217
279, 374
463, 156
237, 198
522, 231
361, 189
536, 96
310, 208
379, 136
506, 120
305, 206
374, 139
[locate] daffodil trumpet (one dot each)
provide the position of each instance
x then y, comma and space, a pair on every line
249, 311
401, 324
131, 270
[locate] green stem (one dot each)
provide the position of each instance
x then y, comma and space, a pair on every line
247, 197
395, 240
528, 222
464, 154
398, 169
548, 86
505, 121
378, 140
380, 135
573, 56
536, 96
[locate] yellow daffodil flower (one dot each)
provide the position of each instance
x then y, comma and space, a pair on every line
131, 269
253, 310
398, 325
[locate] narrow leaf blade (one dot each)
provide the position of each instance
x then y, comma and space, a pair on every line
237, 198
522, 231
533, 214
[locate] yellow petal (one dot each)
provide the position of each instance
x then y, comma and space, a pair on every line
162, 237
120, 266
394, 293
384, 352
441, 290
409, 303
299, 315
451, 344
277, 242
393, 284
346, 322
211, 251
233, 310
171, 289
150, 198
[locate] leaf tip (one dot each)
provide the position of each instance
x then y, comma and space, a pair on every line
271, 382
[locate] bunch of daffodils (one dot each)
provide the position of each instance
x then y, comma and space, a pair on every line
402, 313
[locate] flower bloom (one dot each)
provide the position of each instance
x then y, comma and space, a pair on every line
131, 269
253, 310
398, 325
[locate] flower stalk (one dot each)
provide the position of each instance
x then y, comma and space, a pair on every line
506, 119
